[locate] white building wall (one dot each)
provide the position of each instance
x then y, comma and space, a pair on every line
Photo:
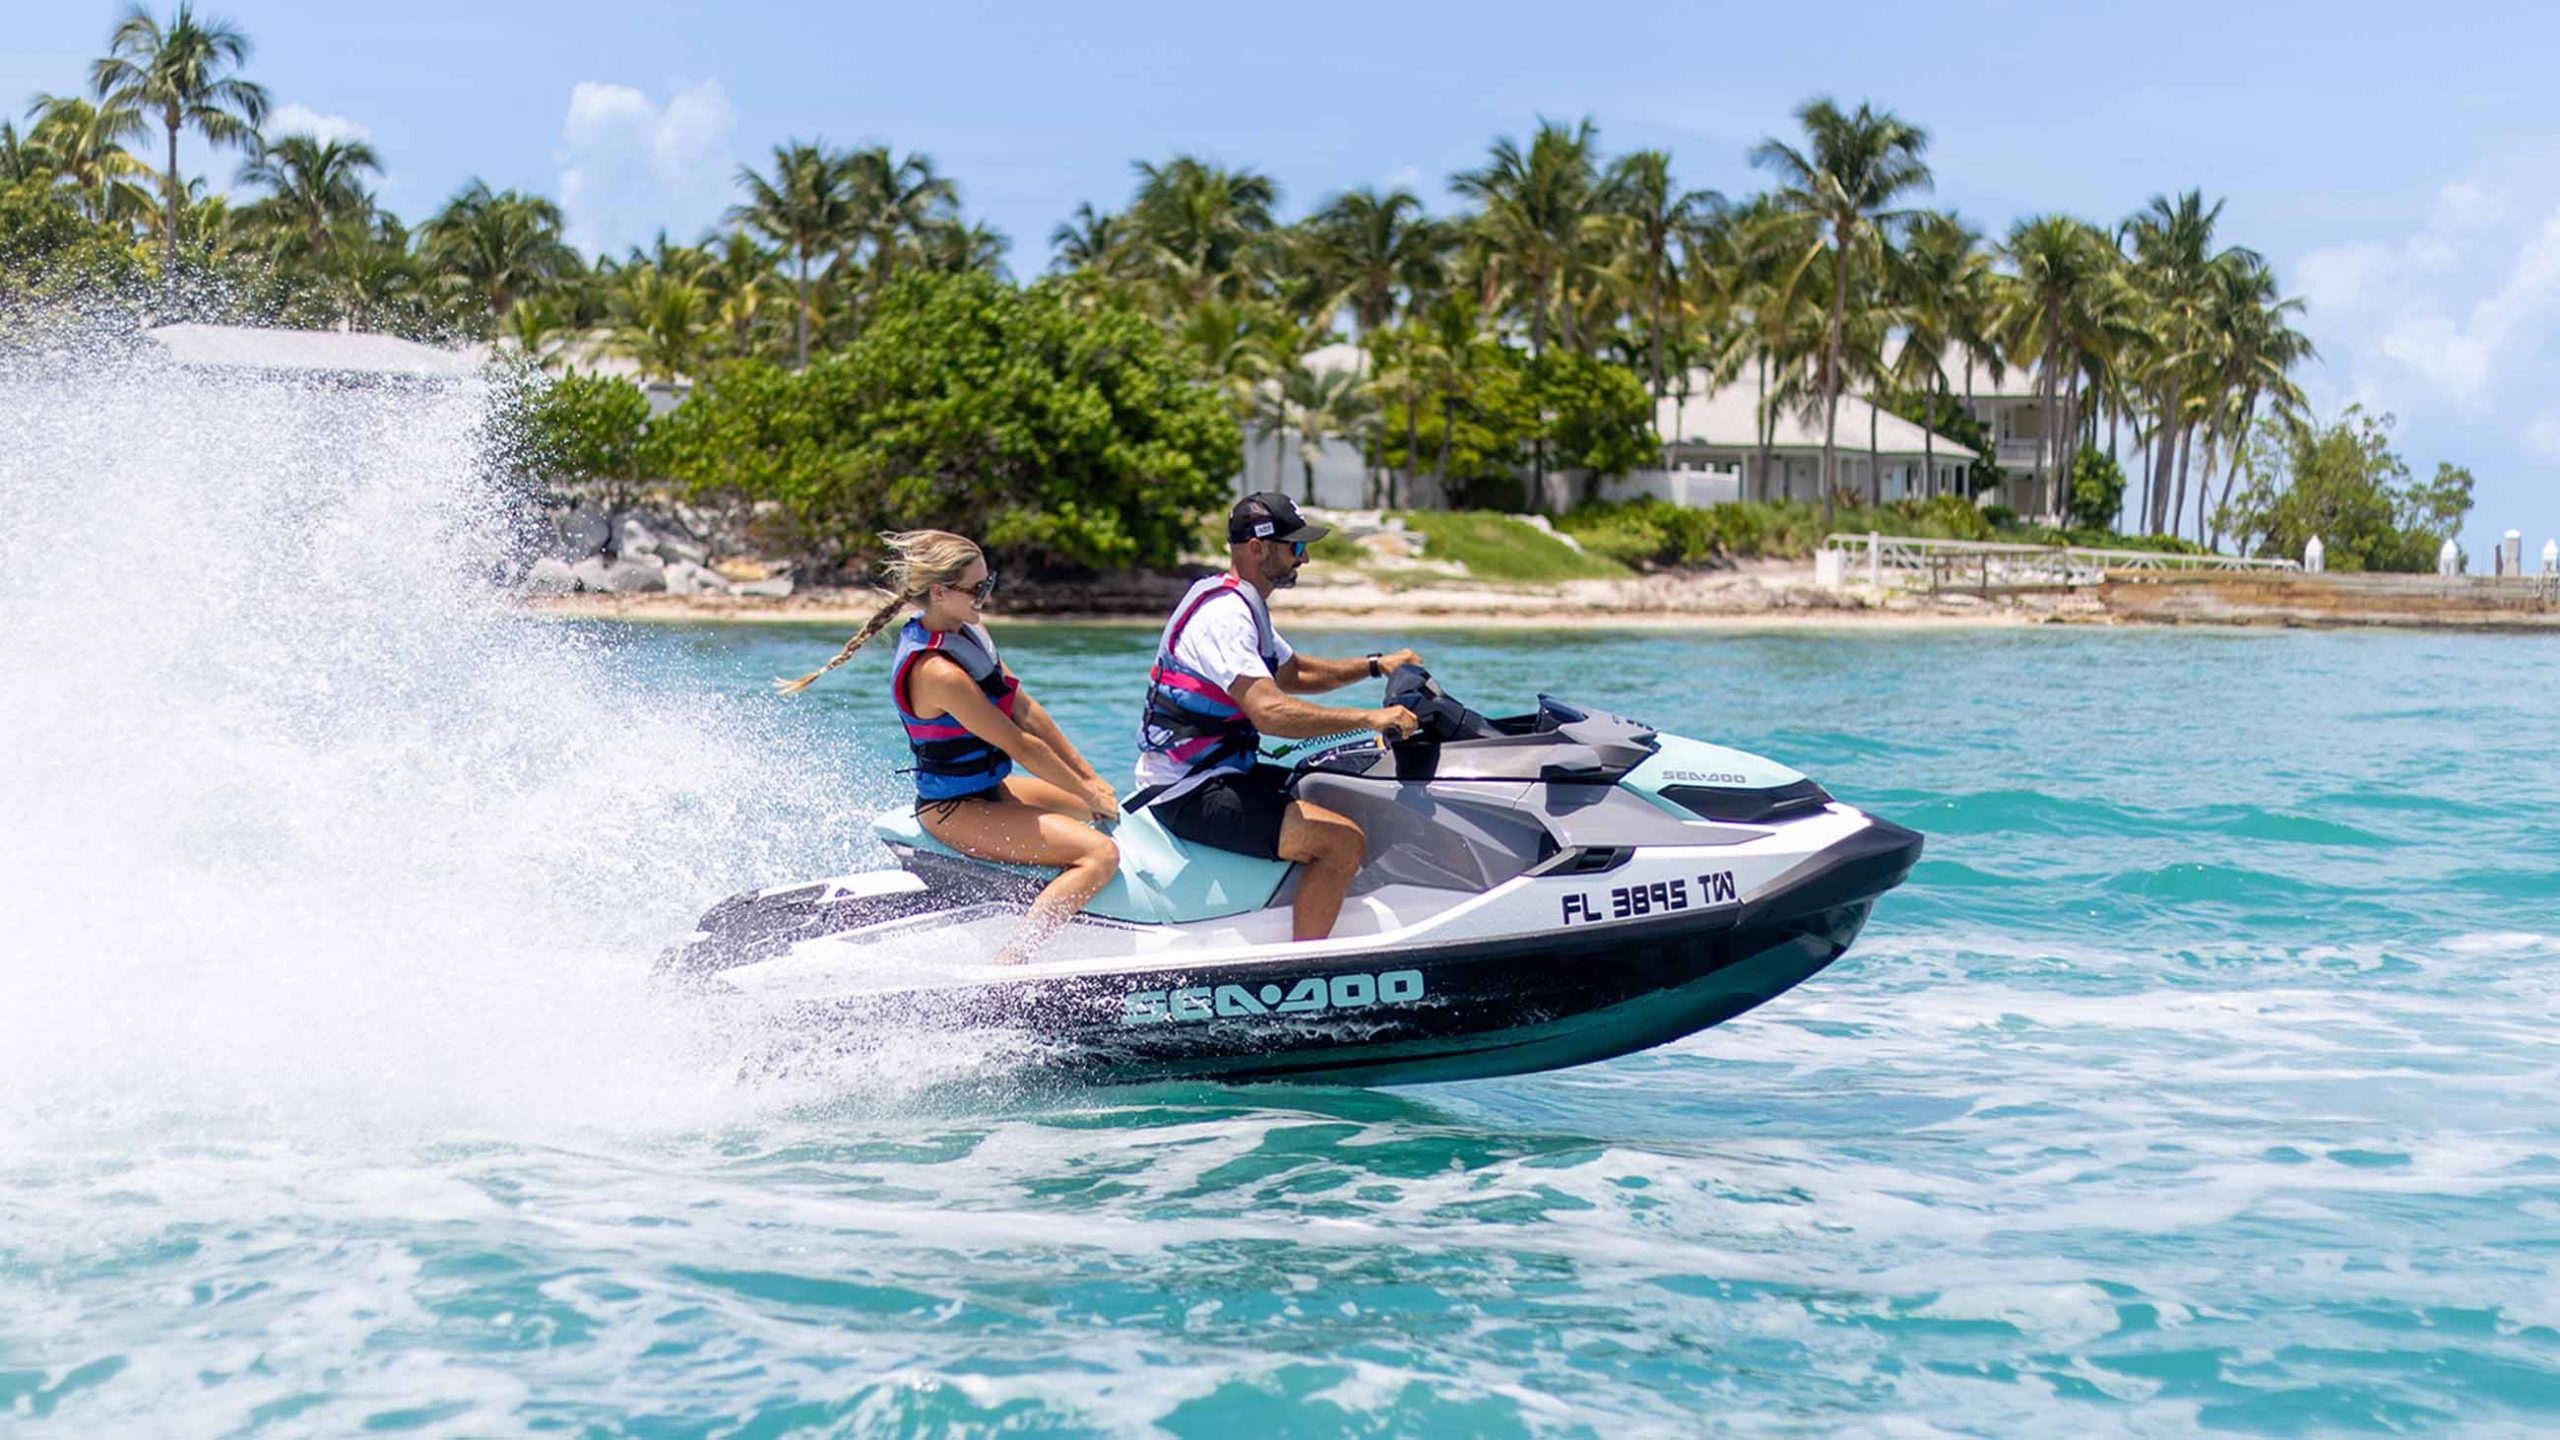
1680, 487
1342, 480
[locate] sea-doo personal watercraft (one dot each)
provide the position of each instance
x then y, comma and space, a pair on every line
1541, 890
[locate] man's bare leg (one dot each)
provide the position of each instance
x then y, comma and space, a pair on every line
1331, 846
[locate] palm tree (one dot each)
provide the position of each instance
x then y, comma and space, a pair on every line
312, 186
738, 277
1655, 212
807, 208
658, 321
1541, 210
503, 244
539, 327
2065, 269
1373, 248
1325, 405
1937, 272
24, 159
1846, 181
1192, 225
1086, 240
952, 246
73, 142
2173, 256
375, 279
2252, 350
181, 73
897, 204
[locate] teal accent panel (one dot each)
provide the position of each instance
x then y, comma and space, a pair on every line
1683, 761
1163, 878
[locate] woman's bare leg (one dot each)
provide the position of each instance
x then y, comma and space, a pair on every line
1021, 834
1040, 794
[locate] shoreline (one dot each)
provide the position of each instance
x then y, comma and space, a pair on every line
1754, 597
1763, 598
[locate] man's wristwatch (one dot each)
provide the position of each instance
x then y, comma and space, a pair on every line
1375, 670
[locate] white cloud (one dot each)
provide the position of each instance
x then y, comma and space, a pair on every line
630, 167
2447, 314
293, 118
2464, 204
2542, 435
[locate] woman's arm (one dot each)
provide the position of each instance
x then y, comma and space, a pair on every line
946, 689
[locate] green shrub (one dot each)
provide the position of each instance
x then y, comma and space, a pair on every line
1057, 433
1505, 547
2097, 490
1655, 532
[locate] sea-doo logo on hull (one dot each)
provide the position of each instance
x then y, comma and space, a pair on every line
1308, 996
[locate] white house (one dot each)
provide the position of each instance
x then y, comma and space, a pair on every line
2011, 406
1343, 479
1719, 428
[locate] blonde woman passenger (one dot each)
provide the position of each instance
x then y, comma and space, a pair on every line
995, 776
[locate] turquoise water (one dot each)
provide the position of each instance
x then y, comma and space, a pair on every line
2202, 1078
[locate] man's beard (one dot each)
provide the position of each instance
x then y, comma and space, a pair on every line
1282, 576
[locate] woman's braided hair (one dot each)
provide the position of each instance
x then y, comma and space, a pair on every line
918, 561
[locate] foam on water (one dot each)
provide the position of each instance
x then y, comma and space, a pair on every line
303, 817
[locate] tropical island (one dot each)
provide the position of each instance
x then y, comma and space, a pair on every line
1575, 370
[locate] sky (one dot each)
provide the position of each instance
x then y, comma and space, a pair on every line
2398, 165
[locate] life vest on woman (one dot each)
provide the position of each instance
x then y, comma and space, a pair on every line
951, 761
1190, 718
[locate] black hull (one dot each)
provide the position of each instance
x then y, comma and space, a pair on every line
1455, 1012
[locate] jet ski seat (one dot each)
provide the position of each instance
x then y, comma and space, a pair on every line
1164, 879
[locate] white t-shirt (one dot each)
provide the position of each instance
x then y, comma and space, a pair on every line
1220, 642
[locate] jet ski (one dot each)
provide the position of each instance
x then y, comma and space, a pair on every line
1541, 890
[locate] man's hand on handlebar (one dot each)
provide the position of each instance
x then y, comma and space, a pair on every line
1394, 722
1387, 663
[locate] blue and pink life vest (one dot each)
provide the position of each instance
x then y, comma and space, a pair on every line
951, 762
1190, 717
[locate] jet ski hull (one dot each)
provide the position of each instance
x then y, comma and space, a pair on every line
1407, 1014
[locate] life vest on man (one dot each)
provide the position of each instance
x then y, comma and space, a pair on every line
951, 761
1190, 718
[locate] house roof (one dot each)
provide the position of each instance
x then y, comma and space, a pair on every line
244, 347
1728, 419
2015, 381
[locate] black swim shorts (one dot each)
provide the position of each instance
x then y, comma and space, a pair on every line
1239, 811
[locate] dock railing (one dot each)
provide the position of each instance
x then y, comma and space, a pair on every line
1992, 565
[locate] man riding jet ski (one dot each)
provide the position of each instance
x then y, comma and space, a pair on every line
1223, 676
1538, 890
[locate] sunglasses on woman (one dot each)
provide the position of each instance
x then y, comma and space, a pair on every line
980, 591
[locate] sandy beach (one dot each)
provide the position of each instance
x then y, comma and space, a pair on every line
1756, 596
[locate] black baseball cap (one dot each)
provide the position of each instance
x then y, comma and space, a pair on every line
1270, 515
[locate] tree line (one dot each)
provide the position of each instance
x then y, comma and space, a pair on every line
1532, 327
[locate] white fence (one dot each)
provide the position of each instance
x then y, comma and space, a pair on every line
1986, 565
1680, 487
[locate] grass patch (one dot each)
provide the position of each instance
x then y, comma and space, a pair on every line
1495, 546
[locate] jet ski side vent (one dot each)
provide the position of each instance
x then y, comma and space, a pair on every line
1584, 860
1748, 807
